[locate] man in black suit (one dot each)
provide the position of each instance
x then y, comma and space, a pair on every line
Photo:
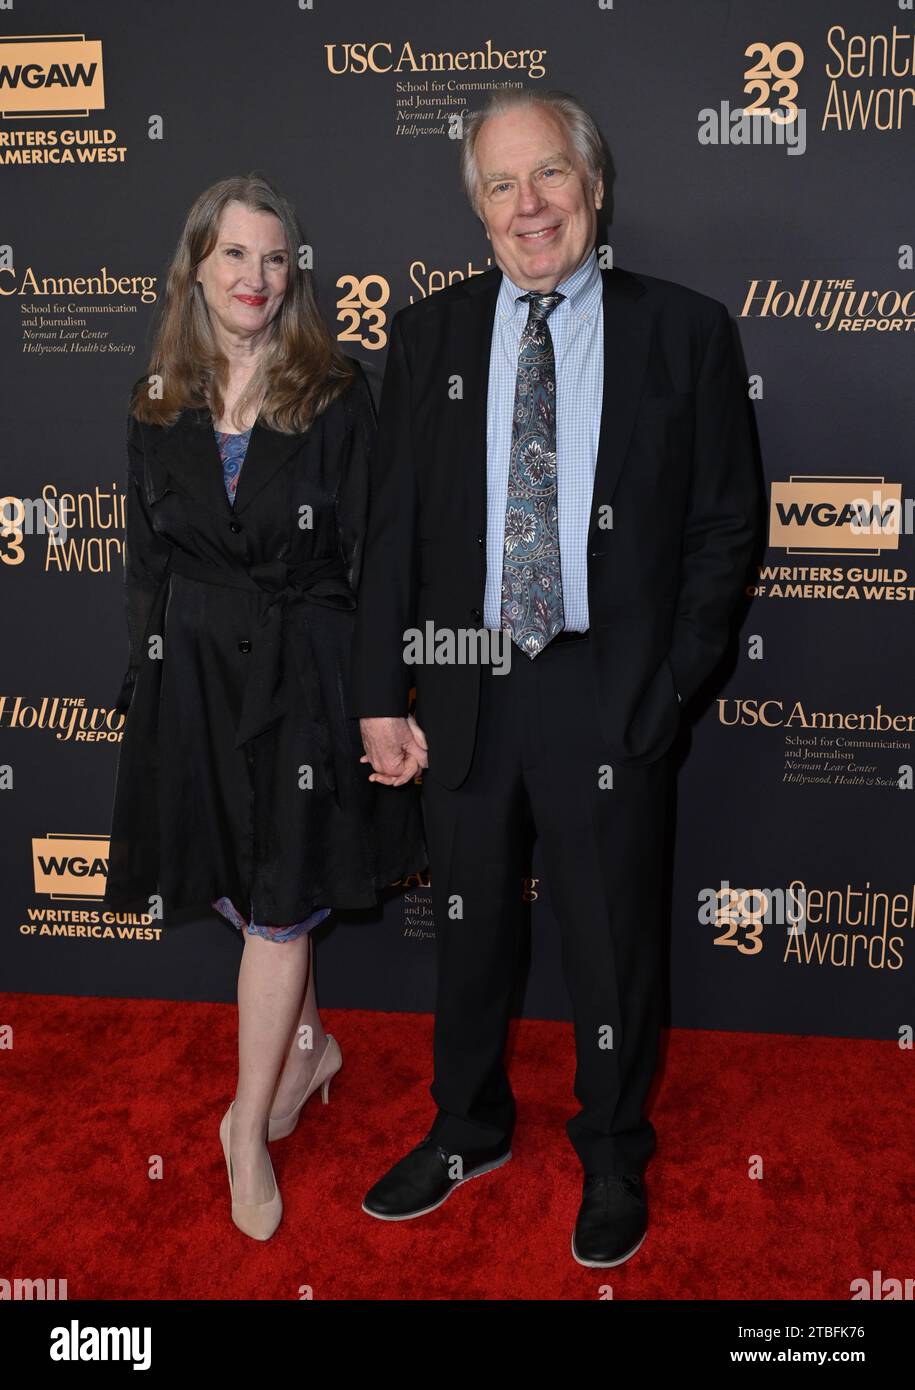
563, 466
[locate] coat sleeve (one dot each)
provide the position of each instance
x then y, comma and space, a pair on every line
145, 563
381, 679
723, 514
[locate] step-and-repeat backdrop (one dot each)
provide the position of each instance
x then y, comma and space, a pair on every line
762, 154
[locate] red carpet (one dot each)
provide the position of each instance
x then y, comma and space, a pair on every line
93, 1087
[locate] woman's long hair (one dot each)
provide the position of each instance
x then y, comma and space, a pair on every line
301, 370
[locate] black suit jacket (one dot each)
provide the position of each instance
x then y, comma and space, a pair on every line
676, 465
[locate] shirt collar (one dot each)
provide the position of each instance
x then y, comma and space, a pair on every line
581, 290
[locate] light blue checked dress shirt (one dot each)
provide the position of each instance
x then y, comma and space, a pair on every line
577, 329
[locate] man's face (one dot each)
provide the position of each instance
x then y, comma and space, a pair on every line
536, 200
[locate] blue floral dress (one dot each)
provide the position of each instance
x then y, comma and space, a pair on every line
232, 450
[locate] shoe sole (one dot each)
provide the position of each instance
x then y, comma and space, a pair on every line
605, 1264
411, 1215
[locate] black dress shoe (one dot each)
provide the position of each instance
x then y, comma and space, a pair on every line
422, 1180
612, 1219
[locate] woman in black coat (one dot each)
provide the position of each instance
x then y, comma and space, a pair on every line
239, 779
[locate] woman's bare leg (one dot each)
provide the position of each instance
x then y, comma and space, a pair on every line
306, 1047
271, 983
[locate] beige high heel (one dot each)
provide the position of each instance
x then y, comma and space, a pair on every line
330, 1063
258, 1219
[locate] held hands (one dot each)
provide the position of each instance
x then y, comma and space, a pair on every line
396, 749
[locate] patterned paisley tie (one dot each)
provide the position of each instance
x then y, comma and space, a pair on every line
531, 576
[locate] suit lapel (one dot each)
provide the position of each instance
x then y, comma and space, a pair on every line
267, 452
475, 319
627, 334
187, 454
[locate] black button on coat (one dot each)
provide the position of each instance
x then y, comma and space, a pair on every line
238, 771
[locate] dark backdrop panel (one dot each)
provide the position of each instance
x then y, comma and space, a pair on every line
289, 91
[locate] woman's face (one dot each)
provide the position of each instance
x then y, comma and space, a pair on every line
244, 277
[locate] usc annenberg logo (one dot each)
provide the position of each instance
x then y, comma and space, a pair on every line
360, 58
773, 713
51, 76
820, 514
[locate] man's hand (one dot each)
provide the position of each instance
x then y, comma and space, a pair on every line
396, 749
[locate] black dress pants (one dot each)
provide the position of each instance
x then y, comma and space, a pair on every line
539, 770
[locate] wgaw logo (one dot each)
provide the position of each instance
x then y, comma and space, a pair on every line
825, 515
70, 866
47, 77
